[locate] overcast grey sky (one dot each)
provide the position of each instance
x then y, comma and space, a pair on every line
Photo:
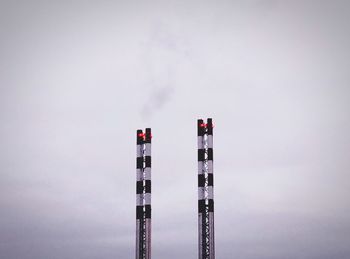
77, 78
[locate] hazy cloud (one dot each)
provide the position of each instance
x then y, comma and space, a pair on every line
78, 78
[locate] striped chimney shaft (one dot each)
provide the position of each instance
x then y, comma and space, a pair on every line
206, 245
201, 185
210, 188
147, 177
143, 194
139, 194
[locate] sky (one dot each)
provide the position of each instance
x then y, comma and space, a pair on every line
78, 78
